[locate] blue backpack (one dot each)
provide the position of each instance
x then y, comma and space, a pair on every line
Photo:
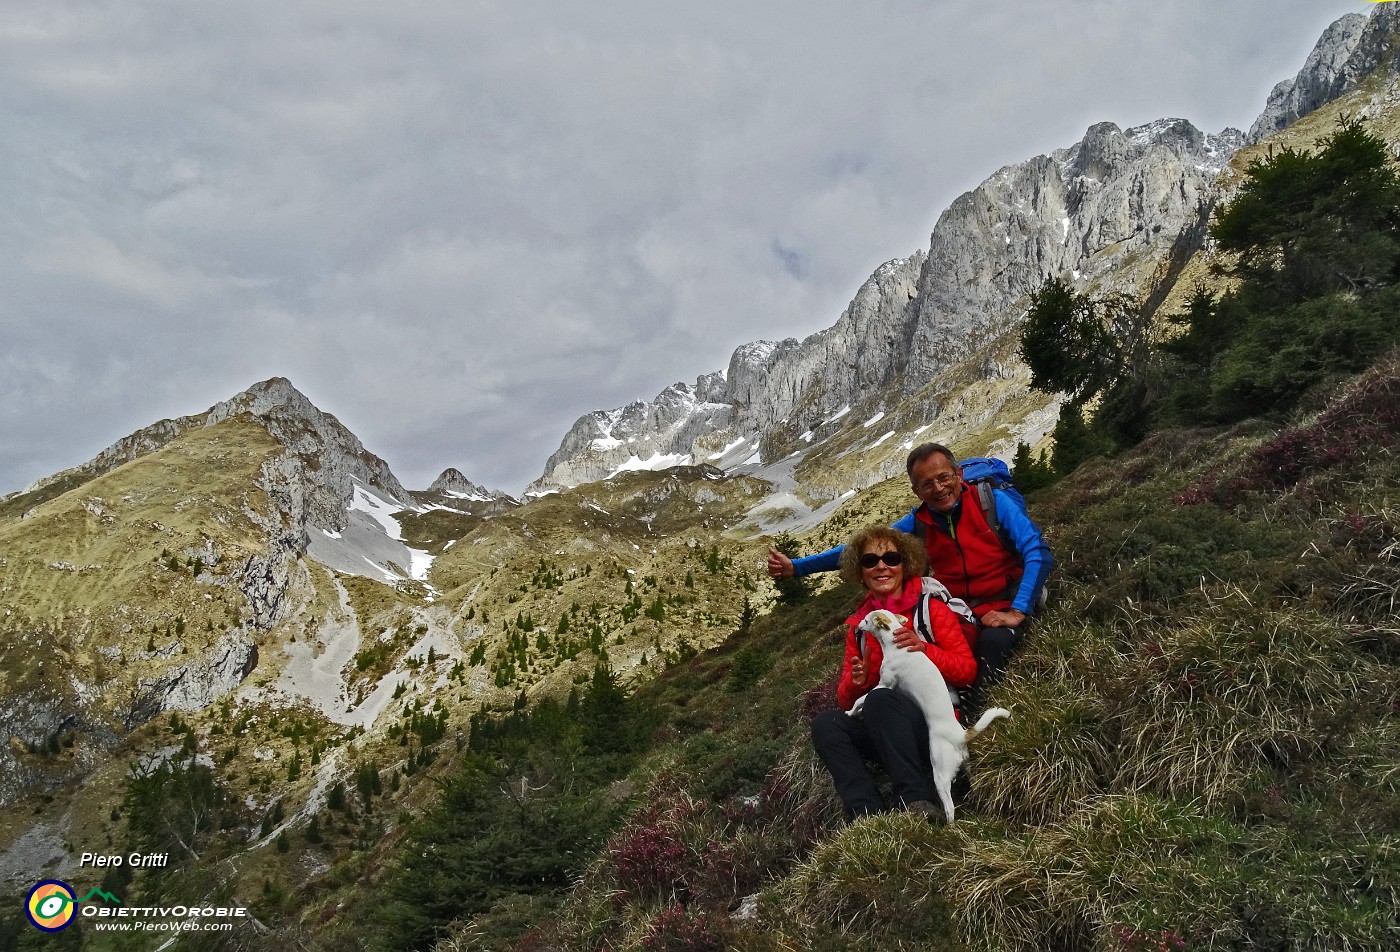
985, 473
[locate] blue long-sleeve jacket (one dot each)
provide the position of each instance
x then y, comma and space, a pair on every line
1024, 534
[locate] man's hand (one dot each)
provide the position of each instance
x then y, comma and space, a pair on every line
906, 639
1007, 619
779, 565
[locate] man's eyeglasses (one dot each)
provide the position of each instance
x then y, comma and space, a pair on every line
869, 560
939, 482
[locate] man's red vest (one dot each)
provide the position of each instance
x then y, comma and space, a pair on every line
972, 562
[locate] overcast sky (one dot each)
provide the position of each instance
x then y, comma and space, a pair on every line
459, 225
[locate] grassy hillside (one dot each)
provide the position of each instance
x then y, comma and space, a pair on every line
123, 575
1204, 750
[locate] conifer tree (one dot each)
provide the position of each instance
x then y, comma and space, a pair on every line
790, 590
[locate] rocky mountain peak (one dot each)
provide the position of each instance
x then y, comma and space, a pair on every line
453, 482
312, 481
266, 396
678, 427
1350, 48
1108, 213
1102, 147
322, 454
711, 388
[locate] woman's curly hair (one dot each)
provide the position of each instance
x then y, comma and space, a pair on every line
915, 558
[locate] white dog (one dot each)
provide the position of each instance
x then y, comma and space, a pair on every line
913, 673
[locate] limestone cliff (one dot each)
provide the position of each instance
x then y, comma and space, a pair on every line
1118, 210
1107, 212
1349, 51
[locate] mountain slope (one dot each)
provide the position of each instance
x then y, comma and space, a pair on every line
143, 590
1201, 752
327, 454
151, 576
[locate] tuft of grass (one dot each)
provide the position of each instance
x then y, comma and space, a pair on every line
877, 878
1051, 754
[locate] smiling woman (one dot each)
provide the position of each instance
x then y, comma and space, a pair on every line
890, 730
875, 541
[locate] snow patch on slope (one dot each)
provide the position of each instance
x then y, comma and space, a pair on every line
371, 544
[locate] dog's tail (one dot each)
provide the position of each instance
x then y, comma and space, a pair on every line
991, 714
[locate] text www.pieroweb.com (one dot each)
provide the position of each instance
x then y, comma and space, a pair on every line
188, 925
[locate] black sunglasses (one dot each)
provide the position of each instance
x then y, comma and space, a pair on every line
869, 560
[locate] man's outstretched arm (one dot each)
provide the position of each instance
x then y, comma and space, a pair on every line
780, 566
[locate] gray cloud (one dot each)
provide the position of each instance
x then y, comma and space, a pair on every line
459, 226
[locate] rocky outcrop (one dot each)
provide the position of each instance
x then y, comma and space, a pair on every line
452, 483
674, 429
195, 685
1350, 51
264, 579
38, 729
1105, 212
322, 458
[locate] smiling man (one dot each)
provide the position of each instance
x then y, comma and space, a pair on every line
999, 574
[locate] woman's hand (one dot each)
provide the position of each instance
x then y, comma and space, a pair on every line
859, 672
906, 639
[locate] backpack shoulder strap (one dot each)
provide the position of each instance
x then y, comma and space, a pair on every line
988, 503
933, 588
921, 625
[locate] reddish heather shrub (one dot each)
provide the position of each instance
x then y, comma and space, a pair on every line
677, 930
1365, 418
742, 811
777, 788
1369, 535
650, 860
1203, 491
650, 854
804, 813
717, 874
